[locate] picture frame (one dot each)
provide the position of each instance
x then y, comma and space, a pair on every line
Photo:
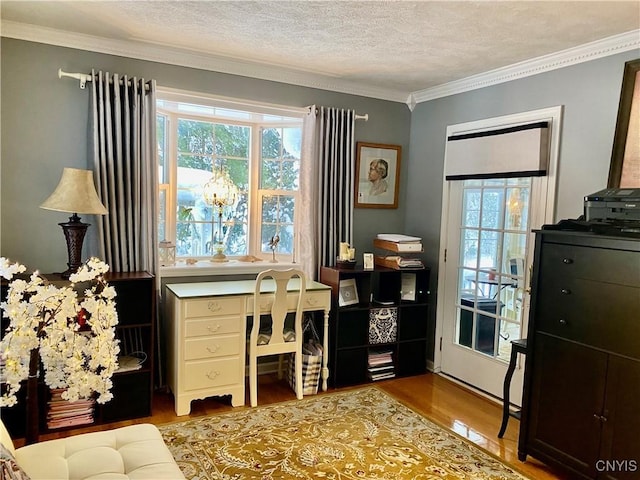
408, 287
348, 292
377, 175
367, 259
624, 170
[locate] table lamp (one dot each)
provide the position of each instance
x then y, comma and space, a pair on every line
219, 192
76, 193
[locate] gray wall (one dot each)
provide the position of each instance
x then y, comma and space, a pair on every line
590, 93
45, 128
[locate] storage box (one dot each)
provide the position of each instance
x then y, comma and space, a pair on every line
383, 325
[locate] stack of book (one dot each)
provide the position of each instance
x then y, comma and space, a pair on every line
402, 247
63, 413
381, 365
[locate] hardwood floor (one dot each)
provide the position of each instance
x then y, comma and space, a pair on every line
448, 404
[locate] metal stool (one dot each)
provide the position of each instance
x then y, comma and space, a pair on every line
517, 346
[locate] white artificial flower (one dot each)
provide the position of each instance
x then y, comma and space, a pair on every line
44, 317
8, 270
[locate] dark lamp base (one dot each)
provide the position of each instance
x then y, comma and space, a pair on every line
74, 232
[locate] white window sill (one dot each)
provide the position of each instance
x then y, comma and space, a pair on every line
232, 267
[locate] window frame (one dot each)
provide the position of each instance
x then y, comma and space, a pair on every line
293, 118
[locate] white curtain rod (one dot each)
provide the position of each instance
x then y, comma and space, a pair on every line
82, 77
364, 117
86, 77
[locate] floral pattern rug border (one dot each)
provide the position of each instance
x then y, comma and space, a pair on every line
356, 434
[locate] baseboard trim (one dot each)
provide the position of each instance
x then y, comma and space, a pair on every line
472, 389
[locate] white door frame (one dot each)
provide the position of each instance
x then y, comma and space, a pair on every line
554, 116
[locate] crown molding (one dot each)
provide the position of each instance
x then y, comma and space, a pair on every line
546, 63
194, 59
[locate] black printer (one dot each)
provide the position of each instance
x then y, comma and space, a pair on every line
613, 205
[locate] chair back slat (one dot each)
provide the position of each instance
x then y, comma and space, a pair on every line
278, 302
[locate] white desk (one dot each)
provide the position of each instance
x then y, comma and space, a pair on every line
207, 338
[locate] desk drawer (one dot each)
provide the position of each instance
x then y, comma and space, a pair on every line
211, 347
208, 307
212, 373
612, 266
312, 300
211, 326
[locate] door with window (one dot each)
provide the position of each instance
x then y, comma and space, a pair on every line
483, 297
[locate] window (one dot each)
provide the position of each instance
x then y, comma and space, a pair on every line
259, 149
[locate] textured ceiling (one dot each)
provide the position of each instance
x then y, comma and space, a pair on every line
404, 46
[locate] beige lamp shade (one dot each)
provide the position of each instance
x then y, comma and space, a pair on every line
76, 193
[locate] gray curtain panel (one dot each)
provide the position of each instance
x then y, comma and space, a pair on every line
336, 163
124, 146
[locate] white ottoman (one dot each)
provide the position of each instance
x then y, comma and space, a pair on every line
132, 452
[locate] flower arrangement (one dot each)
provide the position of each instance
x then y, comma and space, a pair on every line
68, 330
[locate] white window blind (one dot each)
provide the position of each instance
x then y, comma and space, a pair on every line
519, 151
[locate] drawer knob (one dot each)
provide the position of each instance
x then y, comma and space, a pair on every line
565, 291
213, 374
567, 261
562, 321
213, 349
213, 329
312, 301
213, 306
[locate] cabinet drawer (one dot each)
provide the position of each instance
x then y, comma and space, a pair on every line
211, 326
207, 307
613, 266
212, 373
604, 315
211, 347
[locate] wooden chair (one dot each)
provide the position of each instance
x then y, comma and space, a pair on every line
276, 303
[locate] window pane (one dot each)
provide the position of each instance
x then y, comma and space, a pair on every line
161, 129
162, 214
492, 208
488, 249
292, 140
280, 158
471, 206
232, 140
195, 137
277, 218
469, 250
517, 208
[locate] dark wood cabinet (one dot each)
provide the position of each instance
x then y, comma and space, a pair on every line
401, 299
582, 377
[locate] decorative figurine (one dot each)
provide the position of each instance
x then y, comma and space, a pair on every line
273, 244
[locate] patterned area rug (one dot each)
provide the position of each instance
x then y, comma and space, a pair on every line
358, 434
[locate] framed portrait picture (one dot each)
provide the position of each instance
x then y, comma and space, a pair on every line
377, 175
624, 171
347, 292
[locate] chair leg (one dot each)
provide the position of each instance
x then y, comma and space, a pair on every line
253, 380
280, 362
298, 360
